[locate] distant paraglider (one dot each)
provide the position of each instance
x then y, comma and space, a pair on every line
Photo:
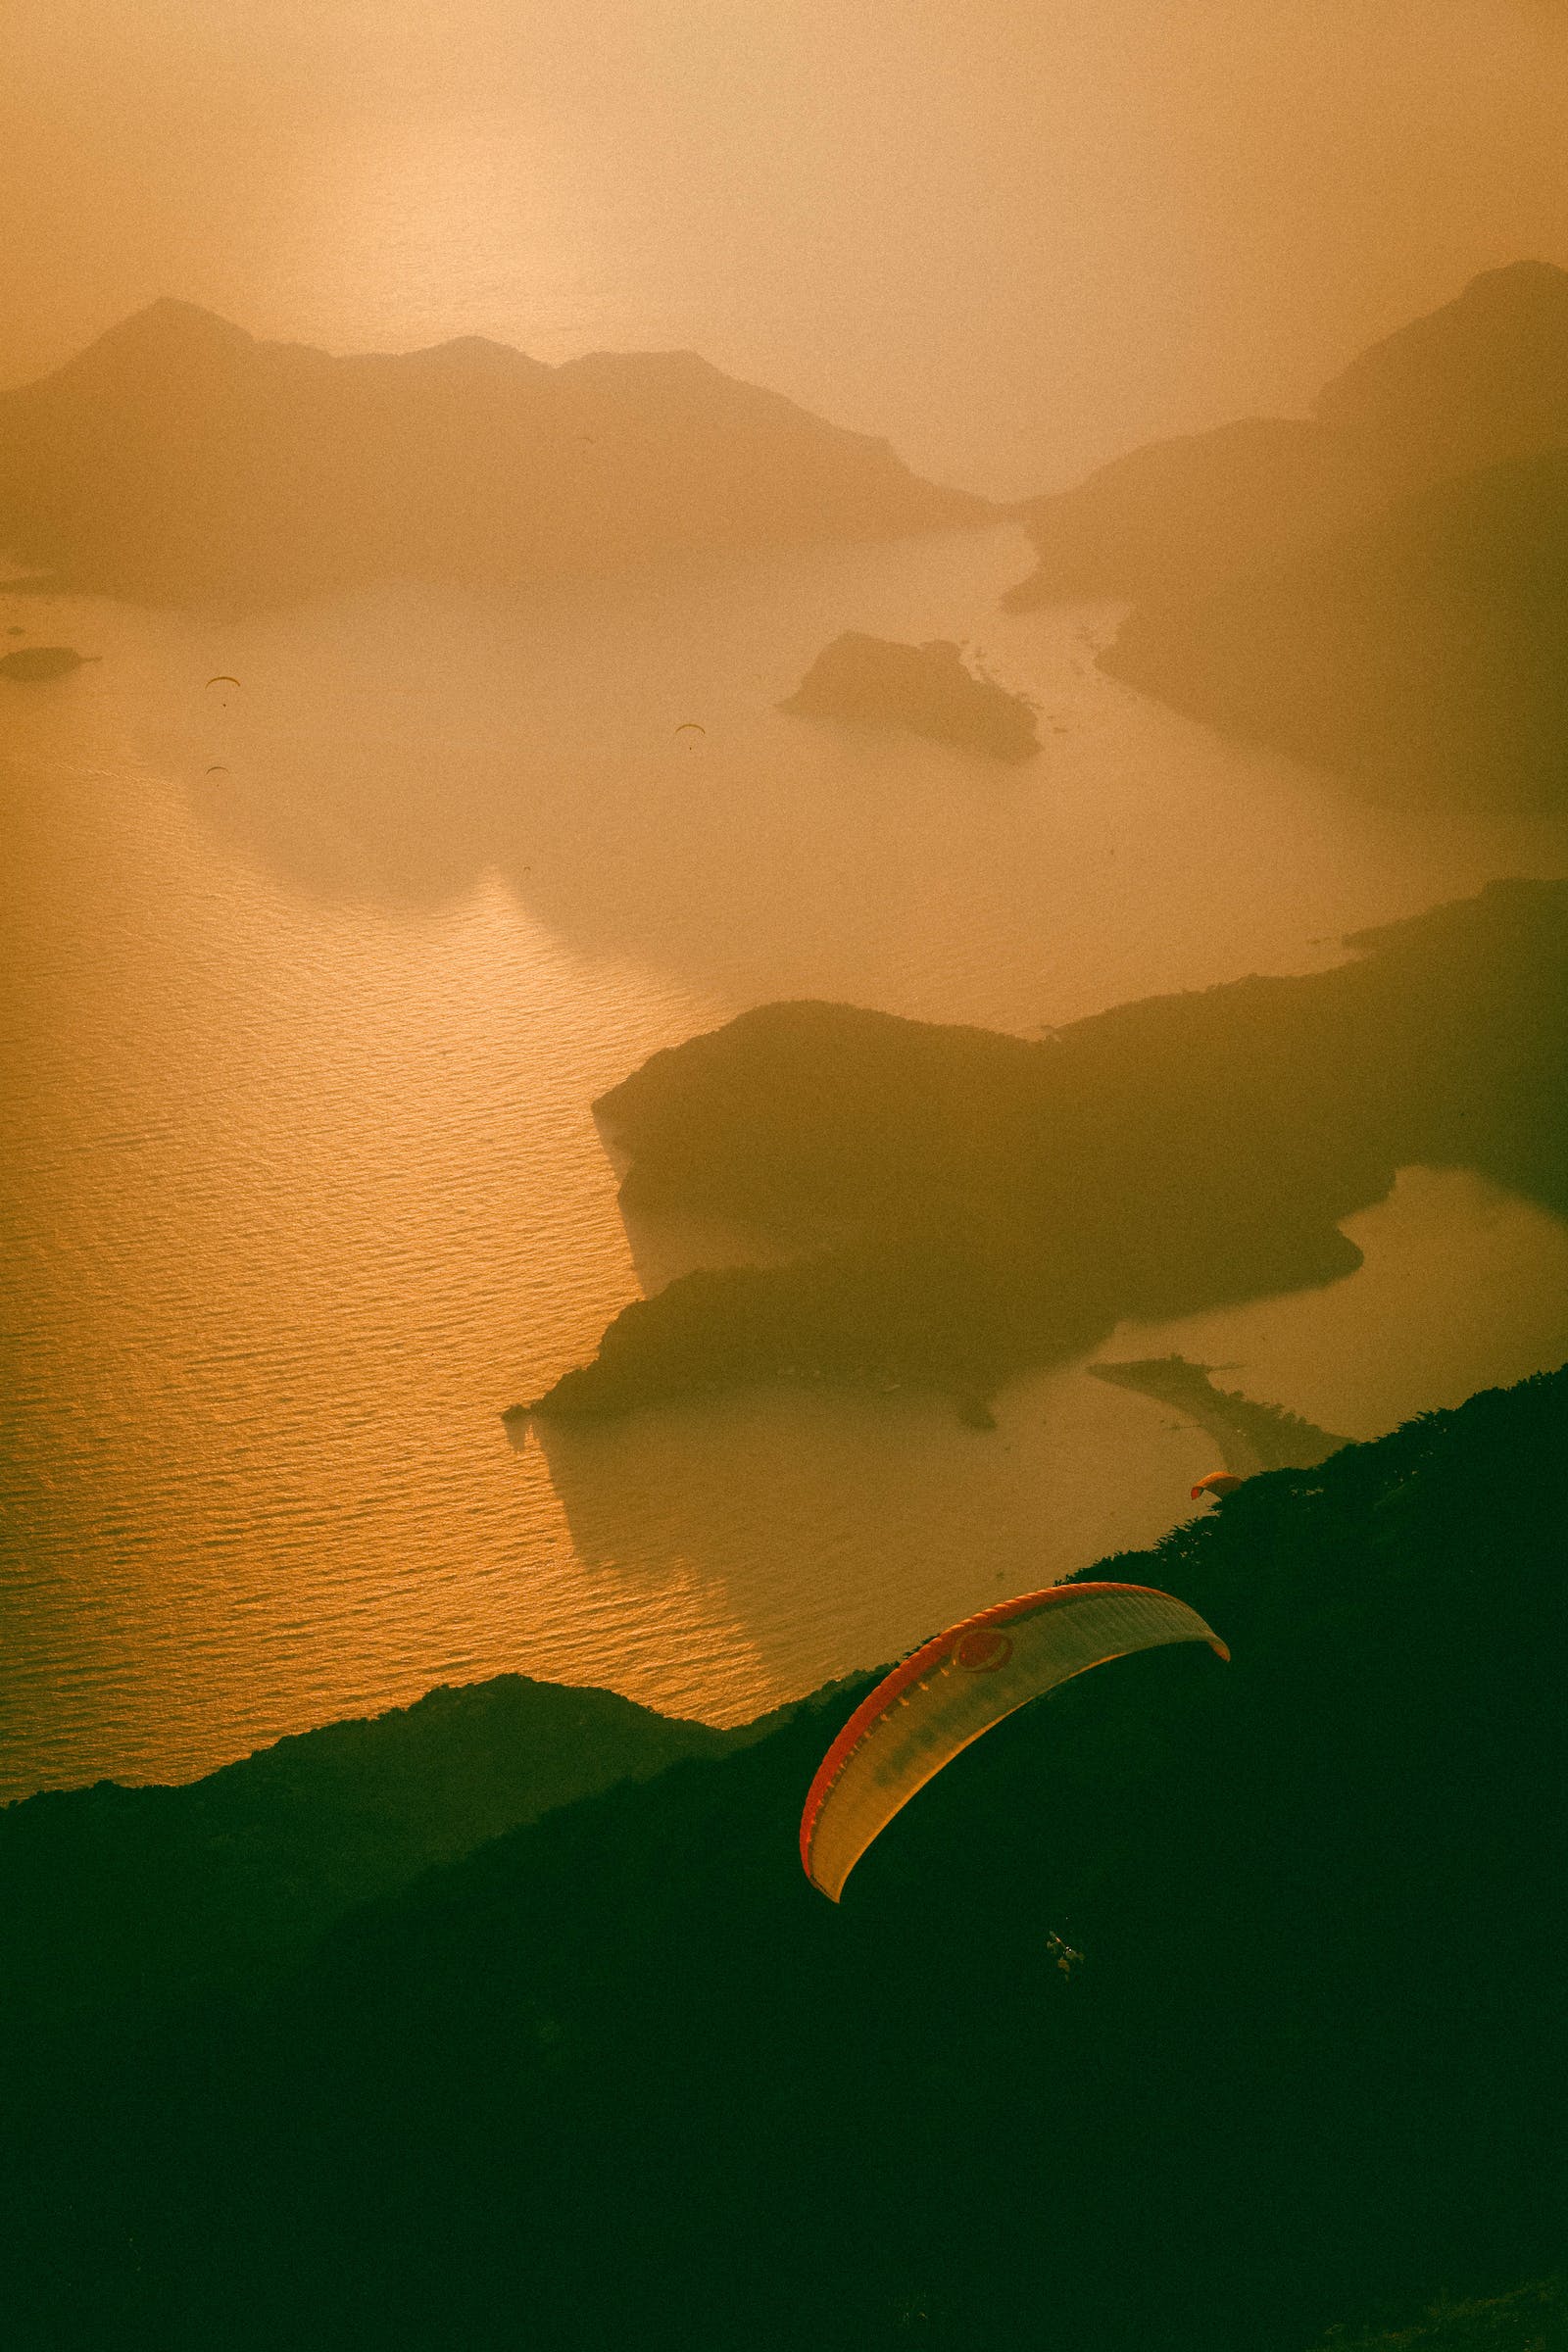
1217, 1482
690, 726
955, 1687
224, 679
1064, 1955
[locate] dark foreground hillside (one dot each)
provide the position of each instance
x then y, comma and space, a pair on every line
111, 1894
1533, 2318
623, 2078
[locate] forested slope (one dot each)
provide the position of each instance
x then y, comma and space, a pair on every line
624, 2078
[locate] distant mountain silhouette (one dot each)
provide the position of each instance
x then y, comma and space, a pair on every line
1483, 379
1191, 511
1428, 646
179, 459
1383, 589
926, 688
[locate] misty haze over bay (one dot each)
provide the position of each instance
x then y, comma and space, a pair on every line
1015, 241
784, 890
320, 972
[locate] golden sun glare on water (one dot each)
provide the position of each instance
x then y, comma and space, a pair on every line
397, 236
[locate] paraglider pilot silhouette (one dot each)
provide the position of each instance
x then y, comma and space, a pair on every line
1066, 1957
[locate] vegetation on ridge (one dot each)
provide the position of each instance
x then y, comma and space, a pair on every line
624, 2078
225, 1882
1260, 1437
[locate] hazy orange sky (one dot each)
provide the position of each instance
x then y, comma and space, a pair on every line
1014, 236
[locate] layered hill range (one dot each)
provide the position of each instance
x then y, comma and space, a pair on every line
179, 459
1383, 586
965, 1204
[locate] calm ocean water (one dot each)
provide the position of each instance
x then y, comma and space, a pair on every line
310, 985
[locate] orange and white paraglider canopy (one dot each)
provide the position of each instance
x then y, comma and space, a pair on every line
955, 1687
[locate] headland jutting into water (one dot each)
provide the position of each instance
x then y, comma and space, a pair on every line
967, 1204
1251, 1436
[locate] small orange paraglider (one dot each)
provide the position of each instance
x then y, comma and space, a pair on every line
1218, 1482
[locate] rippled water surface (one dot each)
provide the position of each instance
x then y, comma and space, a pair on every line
311, 982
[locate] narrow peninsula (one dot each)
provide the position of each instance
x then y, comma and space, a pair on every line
1251, 1437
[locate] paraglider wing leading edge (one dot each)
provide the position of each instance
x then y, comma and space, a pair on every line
955, 1687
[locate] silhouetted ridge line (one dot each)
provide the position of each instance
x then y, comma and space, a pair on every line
1382, 588
1481, 380
179, 459
223, 1882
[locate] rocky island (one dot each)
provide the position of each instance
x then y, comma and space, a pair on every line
34, 665
965, 1204
179, 459
926, 688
